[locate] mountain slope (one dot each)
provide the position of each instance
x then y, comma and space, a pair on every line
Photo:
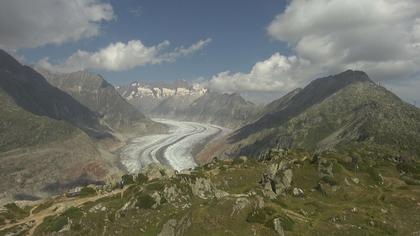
182, 101
98, 95
20, 128
32, 92
44, 142
227, 110
333, 112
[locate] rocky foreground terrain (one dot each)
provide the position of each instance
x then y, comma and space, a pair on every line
285, 192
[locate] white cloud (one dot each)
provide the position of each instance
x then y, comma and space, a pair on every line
381, 37
123, 56
34, 23
277, 73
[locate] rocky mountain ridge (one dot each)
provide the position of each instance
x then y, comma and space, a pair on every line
183, 101
98, 95
146, 97
331, 113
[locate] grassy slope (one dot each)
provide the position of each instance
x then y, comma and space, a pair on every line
19, 128
360, 113
37, 151
380, 203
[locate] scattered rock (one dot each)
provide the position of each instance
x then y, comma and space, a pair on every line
278, 227
171, 194
325, 168
347, 181
259, 203
240, 204
355, 180
303, 212
297, 192
243, 159
97, 208
156, 196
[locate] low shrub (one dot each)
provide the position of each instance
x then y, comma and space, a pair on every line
141, 178
127, 179
145, 201
87, 191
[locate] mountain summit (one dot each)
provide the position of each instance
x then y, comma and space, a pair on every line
332, 112
98, 95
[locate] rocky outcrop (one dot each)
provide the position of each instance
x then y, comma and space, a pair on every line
277, 179
278, 227
157, 171
204, 188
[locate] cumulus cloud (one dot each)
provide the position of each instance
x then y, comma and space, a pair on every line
277, 73
123, 56
30, 24
381, 37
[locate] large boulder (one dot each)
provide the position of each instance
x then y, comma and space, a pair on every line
277, 179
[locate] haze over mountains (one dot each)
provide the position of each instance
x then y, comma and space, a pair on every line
183, 101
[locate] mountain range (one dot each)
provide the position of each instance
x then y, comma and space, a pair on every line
331, 113
94, 92
60, 132
183, 101
339, 157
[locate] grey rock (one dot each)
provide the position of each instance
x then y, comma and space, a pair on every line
157, 171
278, 227
297, 192
240, 204
277, 179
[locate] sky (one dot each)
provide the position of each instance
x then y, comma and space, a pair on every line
248, 46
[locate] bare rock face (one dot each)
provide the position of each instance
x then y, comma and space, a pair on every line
325, 168
277, 179
204, 188
278, 227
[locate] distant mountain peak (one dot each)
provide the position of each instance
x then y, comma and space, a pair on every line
330, 111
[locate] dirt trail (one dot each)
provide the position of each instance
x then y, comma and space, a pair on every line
60, 204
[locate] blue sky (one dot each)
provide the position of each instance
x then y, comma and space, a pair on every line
247, 46
237, 30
